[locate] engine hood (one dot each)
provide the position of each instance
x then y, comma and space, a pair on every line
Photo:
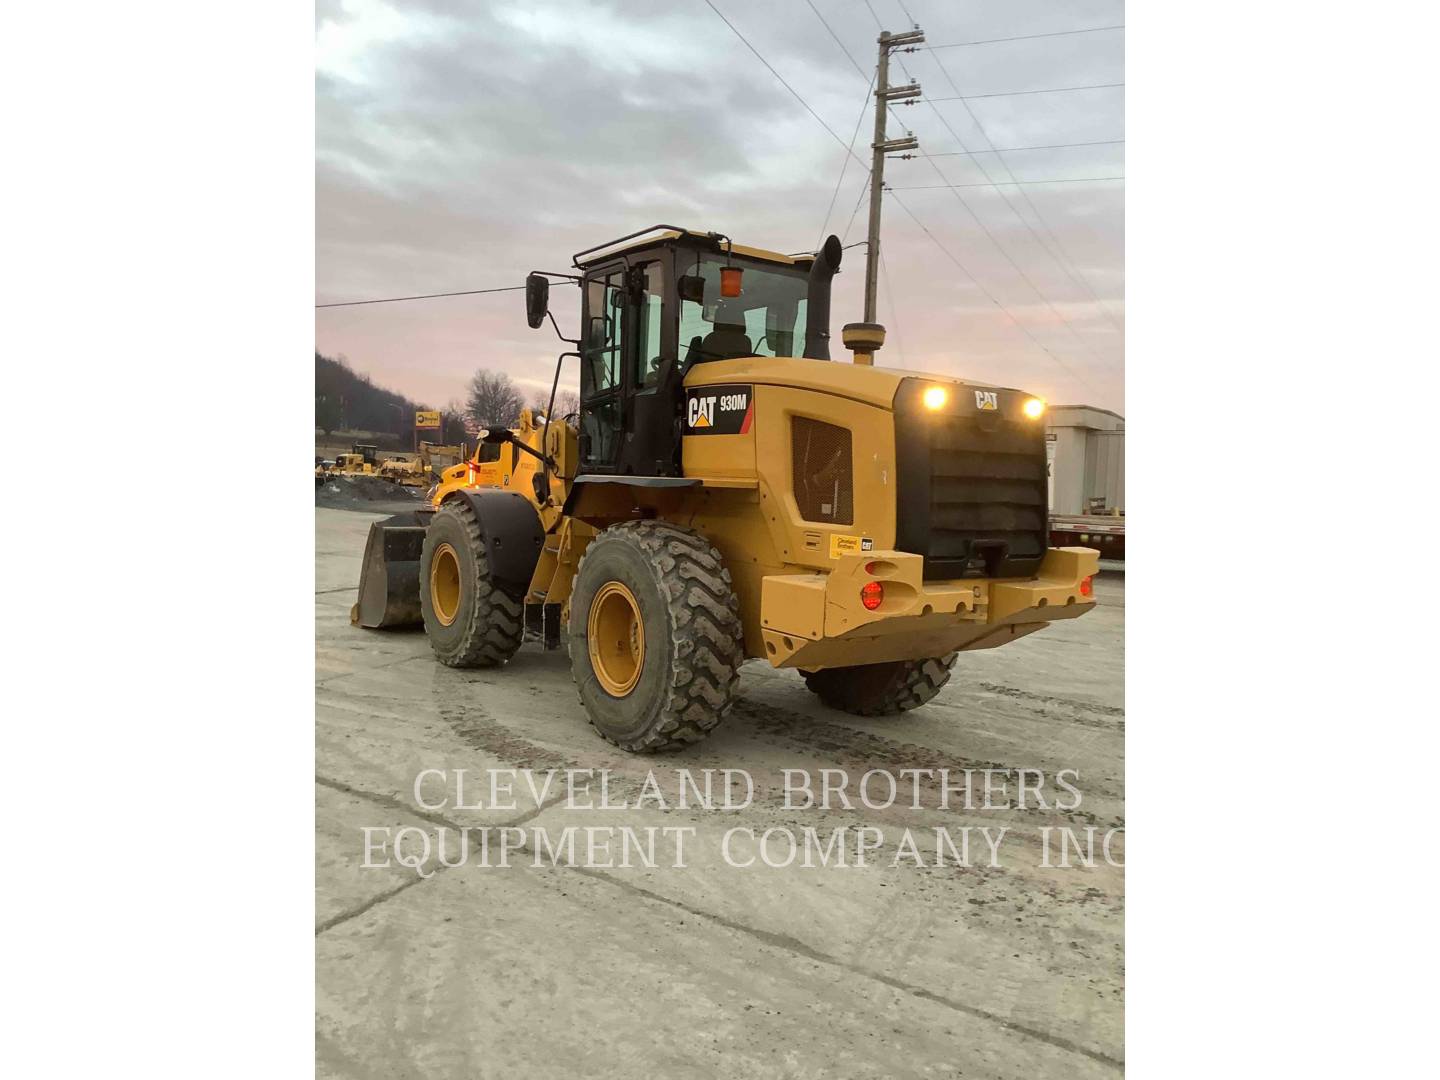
859, 382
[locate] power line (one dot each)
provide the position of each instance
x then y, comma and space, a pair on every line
1025, 330
884, 272
865, 187
1022, 93
985, 229
1024, 37
427, 296
853, 62
1013, 149
989, 235
1067, 264
894, 315
845, 162
989, 296
1006, 183
995, 241
794, 93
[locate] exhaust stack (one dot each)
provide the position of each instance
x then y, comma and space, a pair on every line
817, 297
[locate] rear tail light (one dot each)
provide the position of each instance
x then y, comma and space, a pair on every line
1087, 586
871, 594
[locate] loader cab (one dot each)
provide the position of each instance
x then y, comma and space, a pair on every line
653, 307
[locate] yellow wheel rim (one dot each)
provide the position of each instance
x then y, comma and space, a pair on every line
617, 639
445, 584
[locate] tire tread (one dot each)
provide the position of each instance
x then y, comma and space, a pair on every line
497, 620
707, 639
908, 685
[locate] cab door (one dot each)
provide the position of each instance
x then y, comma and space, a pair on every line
627, 388
606, 326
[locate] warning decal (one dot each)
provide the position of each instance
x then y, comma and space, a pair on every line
841, 544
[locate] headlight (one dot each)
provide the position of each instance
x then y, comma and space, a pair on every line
935, 397
1034, 407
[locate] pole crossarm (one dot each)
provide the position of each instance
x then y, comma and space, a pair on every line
901, 93
890, 146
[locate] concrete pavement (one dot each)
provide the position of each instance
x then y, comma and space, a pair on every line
709, 970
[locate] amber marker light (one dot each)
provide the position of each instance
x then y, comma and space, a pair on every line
1033, 408
935, 397
730, 280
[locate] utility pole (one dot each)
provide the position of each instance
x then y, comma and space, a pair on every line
884, 95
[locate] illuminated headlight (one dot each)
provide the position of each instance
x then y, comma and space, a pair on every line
1033, 408
935, 397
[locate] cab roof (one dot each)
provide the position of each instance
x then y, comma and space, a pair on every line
659, 234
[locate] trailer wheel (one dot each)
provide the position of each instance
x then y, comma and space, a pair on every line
655, 637
470, 620
881, 689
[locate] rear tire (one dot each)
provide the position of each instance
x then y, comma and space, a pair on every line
881, 689
668, 640
470, 620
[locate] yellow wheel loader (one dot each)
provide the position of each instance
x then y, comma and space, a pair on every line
727, 492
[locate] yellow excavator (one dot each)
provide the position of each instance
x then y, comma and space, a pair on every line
728, 492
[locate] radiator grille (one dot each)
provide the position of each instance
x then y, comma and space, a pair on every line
971, 493
820, 463
986, 488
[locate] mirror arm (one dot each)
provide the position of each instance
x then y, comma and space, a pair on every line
562, 337
501, 436
545, 460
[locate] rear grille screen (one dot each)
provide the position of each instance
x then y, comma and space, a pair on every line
970, 491
986, 488
821, 469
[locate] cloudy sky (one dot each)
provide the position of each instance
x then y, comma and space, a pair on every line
461, 144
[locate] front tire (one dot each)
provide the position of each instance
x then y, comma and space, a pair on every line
881, 689
470, 619
655, 637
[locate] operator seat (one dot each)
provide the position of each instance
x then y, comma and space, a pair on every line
728, 341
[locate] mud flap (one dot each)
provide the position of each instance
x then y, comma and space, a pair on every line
390, 573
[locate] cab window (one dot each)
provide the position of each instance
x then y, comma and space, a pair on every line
604, 332
647, 326
766, 319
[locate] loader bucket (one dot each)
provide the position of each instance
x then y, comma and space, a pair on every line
390, 575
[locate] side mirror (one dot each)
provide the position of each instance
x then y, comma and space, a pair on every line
537, 299
596, 335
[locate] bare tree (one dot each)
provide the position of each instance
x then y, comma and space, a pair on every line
567, 403
494, 400
452, 424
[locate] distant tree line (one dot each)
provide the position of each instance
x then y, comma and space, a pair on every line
346, 400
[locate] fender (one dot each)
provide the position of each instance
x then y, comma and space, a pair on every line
511, 531
578, 485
